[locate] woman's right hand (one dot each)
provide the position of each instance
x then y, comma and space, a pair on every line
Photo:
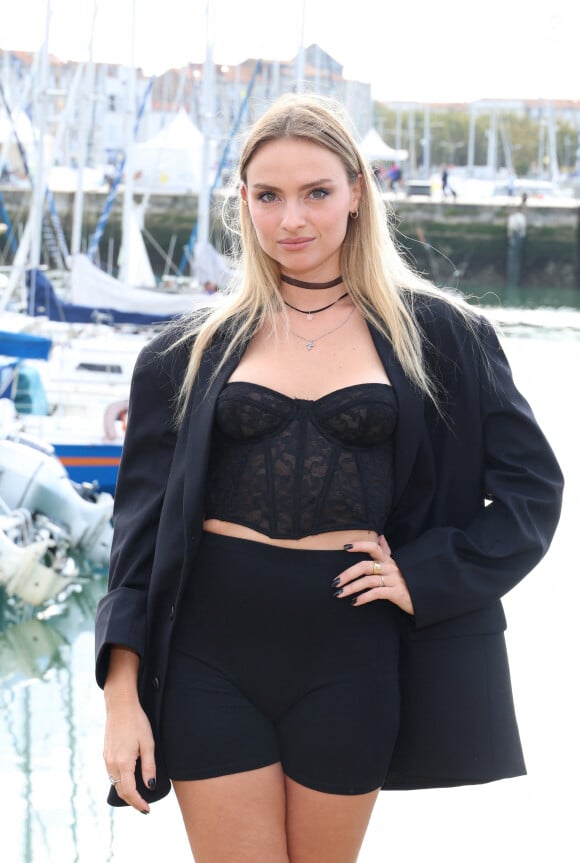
128, 734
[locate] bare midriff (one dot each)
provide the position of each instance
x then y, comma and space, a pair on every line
322, 541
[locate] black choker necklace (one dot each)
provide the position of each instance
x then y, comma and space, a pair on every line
311, 312
312, 286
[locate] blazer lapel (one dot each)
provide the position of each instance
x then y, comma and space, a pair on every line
199, 421
410, 420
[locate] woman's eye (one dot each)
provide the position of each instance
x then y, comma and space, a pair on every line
266, 197
319, 194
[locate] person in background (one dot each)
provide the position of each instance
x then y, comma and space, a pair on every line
516, 235
446, 188
395, 175
511, 183
328, 482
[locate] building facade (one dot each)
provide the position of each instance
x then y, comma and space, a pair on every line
110, 102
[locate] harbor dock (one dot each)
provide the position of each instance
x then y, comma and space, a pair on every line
462, 241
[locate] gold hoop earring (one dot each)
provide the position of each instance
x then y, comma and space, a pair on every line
354, 215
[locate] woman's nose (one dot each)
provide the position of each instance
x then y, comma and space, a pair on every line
293, 216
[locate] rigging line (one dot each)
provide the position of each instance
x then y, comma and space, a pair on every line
193, 236
98, 233
56, 224
10, 238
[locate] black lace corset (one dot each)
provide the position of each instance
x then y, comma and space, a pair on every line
290, 468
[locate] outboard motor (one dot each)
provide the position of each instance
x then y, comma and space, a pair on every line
37, 481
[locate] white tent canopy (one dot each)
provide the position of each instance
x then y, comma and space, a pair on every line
374, 149
171, 160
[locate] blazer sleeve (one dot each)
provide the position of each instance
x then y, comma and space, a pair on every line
145, 464
451, 571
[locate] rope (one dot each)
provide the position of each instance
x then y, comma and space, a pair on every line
193, 236
95, 239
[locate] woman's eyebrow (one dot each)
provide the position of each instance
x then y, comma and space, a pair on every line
325, 181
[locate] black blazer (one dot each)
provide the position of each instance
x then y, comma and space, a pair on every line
477, 500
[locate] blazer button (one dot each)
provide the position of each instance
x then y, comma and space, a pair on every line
156, 683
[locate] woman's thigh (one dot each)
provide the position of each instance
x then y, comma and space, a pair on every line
326, 828
241, 816
262, 816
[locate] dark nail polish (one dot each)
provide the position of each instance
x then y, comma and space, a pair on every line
337, 592
151, 784
353, 600
143, 812
336, 581
348, 546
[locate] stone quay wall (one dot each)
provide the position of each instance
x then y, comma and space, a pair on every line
460, 243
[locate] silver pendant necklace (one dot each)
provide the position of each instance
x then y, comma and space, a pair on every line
311, 342
310, 312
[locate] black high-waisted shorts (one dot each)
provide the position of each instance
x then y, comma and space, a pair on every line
267, 665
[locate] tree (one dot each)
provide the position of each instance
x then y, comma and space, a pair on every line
519, 134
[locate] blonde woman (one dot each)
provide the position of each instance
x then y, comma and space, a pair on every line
327, 485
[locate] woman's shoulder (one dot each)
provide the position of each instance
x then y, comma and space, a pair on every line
458, 339
440, 306
444, 315
167, 352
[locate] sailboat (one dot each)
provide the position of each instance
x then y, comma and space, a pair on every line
75, 397
134, 296
85, 397
71, 391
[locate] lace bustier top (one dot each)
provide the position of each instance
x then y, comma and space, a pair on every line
290, 468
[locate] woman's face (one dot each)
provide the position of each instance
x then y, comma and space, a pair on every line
299, 198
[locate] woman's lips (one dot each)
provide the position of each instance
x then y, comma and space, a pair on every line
296, 244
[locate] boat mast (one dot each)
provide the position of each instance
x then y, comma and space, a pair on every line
492, 142
30, 243
207, 116
130, 116
300, 57
85, 102
39, 185
426, 140
552, 145
471, 141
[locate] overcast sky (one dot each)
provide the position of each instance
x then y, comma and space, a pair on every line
418, 50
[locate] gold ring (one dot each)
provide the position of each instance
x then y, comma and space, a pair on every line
377, 568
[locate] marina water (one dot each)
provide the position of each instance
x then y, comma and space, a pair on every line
54, 782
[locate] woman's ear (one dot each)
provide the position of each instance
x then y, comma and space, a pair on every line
357, 188
243, 194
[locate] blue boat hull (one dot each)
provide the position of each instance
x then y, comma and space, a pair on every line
91, 463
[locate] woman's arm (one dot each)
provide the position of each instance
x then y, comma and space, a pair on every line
120, 625
451, 571
145, 465
128, 733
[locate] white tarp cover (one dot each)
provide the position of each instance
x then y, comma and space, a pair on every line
92, 287
211, 266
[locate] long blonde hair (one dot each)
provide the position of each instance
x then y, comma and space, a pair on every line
379, 281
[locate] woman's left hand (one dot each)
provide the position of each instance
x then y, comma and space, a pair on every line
377, 578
